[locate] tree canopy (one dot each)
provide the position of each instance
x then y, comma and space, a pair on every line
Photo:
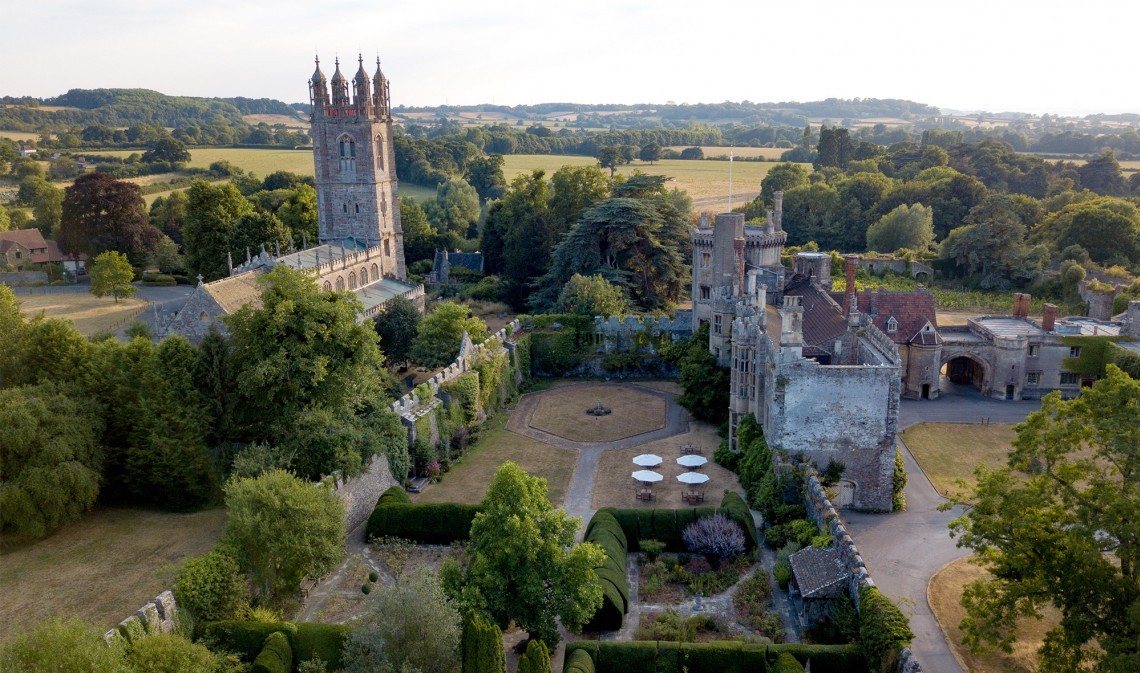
910, 227
525, 562
101, 213
111, 274
441, 332
1057, 526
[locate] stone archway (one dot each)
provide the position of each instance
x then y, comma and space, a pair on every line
966, 369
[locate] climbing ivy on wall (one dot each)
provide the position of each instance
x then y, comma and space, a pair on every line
898, 499
1095, 355
465, 391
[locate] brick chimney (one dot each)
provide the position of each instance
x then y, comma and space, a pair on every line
850, 299
1020, 305
1049, 318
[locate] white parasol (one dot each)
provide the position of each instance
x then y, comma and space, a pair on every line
647, 460
692, 478
692, 462
647, 476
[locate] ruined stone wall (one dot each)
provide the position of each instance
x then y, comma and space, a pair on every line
18, 278
360, 493
157, 616
821, 511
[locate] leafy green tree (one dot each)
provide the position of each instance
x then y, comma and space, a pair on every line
50, 458
781, 178
441, 332
166, 257
410, 626
302, 348
650, 152
299, 213
692, 153
525, 562
214, 378
283, 528
420, 239
397, 325
574, 189
634, 243
611, 157
951, 194
910, 227
1109, 229
111, 274
810, 214
38, 350
46, 201
705, 384
322, 441
835, 148
166, 150
519, 236
101, 213
255, 231
992, 244
5, 220
1057, 526
212, 587
455, 208
485, 174
168, 213
211, 213
1102, 175
592, 295
62, 645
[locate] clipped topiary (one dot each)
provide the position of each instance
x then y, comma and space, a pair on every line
275, 657
365, 588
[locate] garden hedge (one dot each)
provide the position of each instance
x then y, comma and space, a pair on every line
667, 525
275, 657
605, 531
395, 495
649, 656
441, 523
306, 639
786, 663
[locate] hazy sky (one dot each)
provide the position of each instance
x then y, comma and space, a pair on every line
993, 55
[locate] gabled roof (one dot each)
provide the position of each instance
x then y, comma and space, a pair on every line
31, 239
819, 573
911, 310
236, 291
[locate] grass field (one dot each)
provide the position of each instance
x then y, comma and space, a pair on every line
951, 451
289, 121
772, 153
564, 413
19, 135
945, 594
614, 487
705, 181
101, 568
468, 479
89, 314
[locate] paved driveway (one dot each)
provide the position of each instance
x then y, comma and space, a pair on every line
903, 551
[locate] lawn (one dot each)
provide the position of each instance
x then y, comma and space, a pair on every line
89, 314
769, 153
951, 451
945, 594
705, 181
468, 479
563, 413
614, 487
101, 568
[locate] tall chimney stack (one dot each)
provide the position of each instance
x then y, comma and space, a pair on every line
1021, 305
778, 206
1049, 318
738, 246
850, 298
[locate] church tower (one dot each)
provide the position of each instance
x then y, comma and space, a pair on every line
354, 158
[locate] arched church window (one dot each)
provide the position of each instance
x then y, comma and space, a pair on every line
347, 153
352, 280
345, 206
380, 152
363, 275
357, 206
375, 272
340, 283
328, 286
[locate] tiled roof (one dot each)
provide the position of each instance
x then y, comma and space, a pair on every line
823, 318
819, 573
911, 311
31, 239
236, 291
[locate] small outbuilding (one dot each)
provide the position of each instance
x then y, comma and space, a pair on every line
818, 578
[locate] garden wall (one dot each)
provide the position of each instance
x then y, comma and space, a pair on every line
157, 616
360, 493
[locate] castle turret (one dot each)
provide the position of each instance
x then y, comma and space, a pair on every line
380, 96
361, 89
318, 89
339, 88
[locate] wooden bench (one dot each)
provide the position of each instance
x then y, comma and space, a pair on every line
646, 494
693, 497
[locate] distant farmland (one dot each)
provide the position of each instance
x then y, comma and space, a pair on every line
705, 181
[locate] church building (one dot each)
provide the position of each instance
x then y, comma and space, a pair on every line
361, 246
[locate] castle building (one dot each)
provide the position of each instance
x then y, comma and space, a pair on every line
821, 378
361, 246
